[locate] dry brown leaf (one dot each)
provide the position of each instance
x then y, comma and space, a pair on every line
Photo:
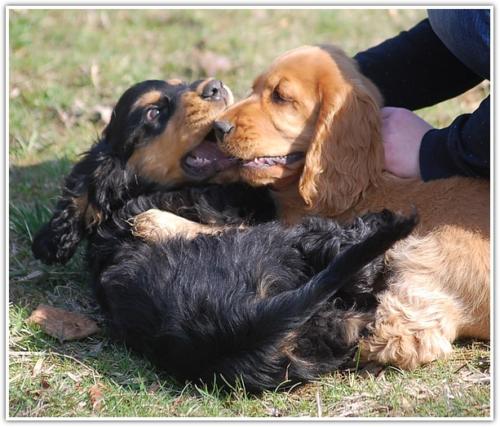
283, 23
101, 113
44, 383
96, 396
212, 63
61, 324
153, 388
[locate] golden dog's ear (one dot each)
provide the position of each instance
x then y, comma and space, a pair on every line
346, 153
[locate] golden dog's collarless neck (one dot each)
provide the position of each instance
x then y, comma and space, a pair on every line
284, 183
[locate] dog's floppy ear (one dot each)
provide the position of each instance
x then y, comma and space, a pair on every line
89, 191
346, 153
97, 185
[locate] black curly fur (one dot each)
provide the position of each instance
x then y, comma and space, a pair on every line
101, 181
102, 178
268, 303
229, 306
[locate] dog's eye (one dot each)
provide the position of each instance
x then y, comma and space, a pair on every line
278, 98
152, 113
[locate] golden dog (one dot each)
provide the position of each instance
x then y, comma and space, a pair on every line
311, 129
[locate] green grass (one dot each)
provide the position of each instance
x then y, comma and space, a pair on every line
64, 64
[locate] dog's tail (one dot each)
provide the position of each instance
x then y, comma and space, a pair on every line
273, 318
297, 306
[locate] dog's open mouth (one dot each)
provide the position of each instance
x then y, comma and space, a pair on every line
207, 159
268, 161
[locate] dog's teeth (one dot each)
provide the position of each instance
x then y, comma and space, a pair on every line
197, 161
191, 161
266, 161
262, 162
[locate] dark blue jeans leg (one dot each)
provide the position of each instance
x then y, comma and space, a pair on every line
466, 33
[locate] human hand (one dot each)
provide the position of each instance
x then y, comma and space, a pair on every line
402, 133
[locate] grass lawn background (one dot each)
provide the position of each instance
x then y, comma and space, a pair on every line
65, 67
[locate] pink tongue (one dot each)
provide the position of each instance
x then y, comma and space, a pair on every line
208, 150
208, 155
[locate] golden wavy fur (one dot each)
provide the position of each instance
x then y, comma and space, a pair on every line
313, 100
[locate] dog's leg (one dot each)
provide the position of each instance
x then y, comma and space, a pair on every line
412, 325
439, 292
155, 225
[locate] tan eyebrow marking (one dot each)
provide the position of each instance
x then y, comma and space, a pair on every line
148, 98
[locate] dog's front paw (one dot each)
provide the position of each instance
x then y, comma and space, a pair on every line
153, 225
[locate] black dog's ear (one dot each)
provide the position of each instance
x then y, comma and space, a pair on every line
89, 192
96, 185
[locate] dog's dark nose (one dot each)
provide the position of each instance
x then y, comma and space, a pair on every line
212, 90
221, 129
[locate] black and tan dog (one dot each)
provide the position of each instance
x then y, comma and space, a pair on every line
153, 127
209, 299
